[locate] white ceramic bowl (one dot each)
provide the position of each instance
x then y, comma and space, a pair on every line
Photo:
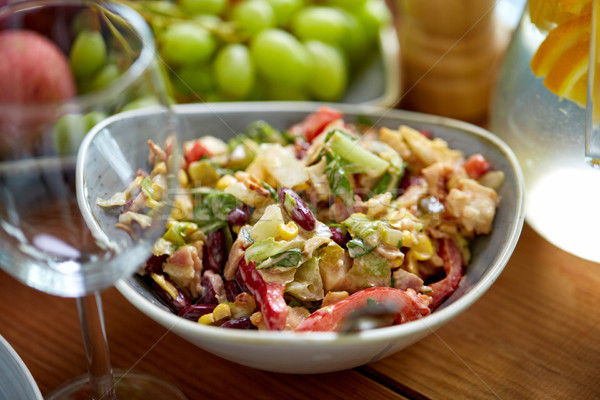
304, 352
16, 382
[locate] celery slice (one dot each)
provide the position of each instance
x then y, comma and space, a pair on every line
350, 150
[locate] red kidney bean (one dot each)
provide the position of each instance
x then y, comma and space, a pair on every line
155, 263
240, 281
239, 323
195, 311
232, 289
212, 288
238, 216
127, 206
176, 304
300, 148
297, 209
214, 252
409, 180
338, 236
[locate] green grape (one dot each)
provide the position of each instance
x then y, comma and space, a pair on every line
278, 92
329, 76
284, 10
93, 118
186, 44
234, 71
88, 53
374, 15
213, 97
141, 102
83, 20
208, 21
326, 24
104, 77
348, 4
252, 16
203, 6
280, 58
194, 80
258, 91
355, 42
69, 130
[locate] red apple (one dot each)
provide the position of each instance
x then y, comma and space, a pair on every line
33, 70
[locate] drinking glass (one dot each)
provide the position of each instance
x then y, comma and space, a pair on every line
556, 145
72, 64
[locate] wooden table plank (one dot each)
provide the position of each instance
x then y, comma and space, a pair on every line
534, 335
44, 331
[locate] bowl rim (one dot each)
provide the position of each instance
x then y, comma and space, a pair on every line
428, 323
18, 371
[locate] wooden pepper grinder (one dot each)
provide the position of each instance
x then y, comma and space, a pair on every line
451, 51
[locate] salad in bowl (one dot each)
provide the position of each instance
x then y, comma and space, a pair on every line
304, 228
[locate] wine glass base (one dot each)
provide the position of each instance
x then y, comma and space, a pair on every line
132, 385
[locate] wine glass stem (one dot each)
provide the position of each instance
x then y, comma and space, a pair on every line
96, 346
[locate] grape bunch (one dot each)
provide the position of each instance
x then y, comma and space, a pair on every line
96, 60
233, 50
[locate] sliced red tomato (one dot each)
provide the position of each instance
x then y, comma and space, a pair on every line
426, 133
410, 305
269, 295
476, 165
195, 150
312, 126
452, 258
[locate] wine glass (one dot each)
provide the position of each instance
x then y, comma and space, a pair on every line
65, 66
556, 140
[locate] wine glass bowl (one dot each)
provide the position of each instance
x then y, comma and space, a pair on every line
65, 66
39, 136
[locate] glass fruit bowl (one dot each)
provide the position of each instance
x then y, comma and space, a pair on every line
548, 135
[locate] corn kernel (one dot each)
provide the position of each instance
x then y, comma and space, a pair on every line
221, 311
170, 223
423, 249
288, 231
158, 189
206, 319
151, 203
301, 187
182, 178
397, 262
137, 183
163, 283
408, 239
225, 181
412, 264
160, 168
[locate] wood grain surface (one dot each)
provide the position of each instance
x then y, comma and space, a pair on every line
534, 335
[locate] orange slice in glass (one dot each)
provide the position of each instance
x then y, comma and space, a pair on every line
562, 58
568, 76
558, 42
545, 14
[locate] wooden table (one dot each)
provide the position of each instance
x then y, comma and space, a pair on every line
534, 335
